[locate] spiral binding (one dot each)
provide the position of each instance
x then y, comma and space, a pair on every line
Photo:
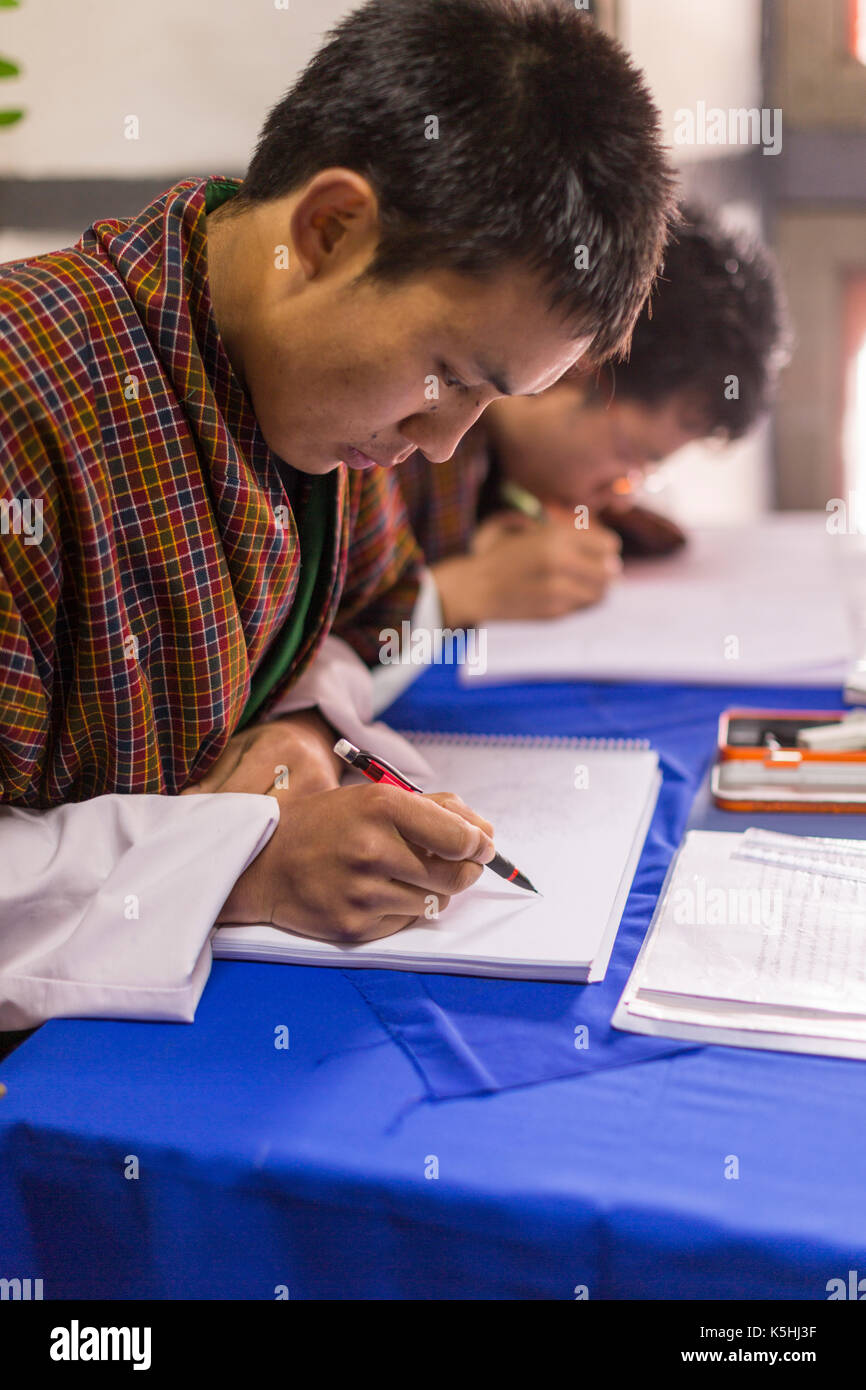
425, 736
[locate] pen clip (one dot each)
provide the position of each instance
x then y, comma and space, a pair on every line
394, 772
362, 761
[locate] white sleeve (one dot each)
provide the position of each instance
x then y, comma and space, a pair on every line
340, 686
391, 681
107, 906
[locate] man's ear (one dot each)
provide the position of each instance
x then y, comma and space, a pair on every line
335, 222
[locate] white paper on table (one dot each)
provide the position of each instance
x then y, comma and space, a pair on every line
833, 858
776, 600
802, 945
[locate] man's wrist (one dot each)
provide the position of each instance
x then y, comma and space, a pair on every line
316, 725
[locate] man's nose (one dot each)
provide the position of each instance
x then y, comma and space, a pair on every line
438, 434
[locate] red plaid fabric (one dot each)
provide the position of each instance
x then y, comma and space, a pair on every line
129, 629
442, 499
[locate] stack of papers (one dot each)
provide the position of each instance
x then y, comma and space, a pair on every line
759, 940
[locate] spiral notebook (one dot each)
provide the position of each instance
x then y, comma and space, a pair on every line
571, 813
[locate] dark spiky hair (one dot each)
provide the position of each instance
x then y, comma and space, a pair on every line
717, 311
548, 141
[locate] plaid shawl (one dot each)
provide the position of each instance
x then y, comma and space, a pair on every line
444, 500
148, 550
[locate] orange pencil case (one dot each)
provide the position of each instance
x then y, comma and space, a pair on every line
761, 767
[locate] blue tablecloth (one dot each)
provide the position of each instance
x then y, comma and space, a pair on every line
437, 1137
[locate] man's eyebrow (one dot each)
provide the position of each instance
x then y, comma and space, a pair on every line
494, 378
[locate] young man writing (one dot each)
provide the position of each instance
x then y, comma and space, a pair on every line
703, 362
204, 401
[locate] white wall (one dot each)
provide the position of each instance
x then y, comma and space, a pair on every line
705, 50
198, 74
696, 50
201, 74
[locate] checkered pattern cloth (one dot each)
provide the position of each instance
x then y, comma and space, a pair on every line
442, 499
146, 563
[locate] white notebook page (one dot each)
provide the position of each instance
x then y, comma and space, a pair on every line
771, 601
573, 819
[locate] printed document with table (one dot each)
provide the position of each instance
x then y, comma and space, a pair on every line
758, 941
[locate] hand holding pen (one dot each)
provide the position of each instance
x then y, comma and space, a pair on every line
376, 769
358, 863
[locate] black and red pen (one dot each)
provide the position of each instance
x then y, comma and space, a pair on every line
377, 770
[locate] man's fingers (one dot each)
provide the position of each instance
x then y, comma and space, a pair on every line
602, 550
594, 539
569, 597
582, 568
502, 529
397, 905
603, 538
430, 874
508, 523
382, 927
388, 925
594, 573
395, 898
423, 822
452, 802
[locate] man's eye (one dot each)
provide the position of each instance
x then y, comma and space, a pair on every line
451, 380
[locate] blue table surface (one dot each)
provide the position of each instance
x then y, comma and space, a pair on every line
435, 1137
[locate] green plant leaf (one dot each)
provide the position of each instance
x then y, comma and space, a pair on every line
8, 69
10, 117
9, 4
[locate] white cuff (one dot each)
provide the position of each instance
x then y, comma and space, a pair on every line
391, 681
106, 906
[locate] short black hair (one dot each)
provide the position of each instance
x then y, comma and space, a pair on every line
548, 140
716, 311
